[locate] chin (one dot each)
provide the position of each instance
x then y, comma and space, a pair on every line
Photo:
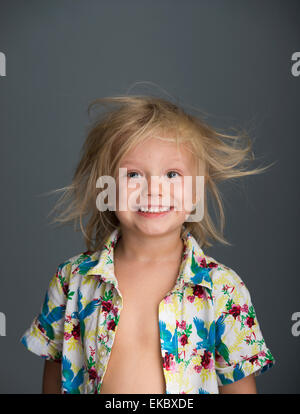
159, 229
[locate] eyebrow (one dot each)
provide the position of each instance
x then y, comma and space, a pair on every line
171, 160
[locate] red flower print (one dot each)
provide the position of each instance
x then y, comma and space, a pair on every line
183, 340
103, 338
206, 359
218, 357
191, 298
245, 308
115, 311
107, 305
212, 264
180, 353
41, 328
67, 335
249, 337
68, 318
182, 325
198, 291
226, 288
76, 331
167, 361
250, 322
198, 368
194, 352
92, 374
203, 262
262, 353
235, 311
111, 325
87, 252
65, 288
253, 359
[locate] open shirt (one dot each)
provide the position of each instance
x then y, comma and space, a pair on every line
209, 332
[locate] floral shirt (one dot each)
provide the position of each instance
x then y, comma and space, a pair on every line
209, 332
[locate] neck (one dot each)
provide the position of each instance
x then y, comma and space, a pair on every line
134, 246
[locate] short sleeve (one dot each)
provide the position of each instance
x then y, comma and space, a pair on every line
240, 349
44, 337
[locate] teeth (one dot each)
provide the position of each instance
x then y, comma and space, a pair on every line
154, 209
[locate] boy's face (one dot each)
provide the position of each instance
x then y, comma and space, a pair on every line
158, 163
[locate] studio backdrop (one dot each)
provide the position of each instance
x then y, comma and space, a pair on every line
237, 62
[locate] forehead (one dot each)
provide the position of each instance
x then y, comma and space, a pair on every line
160, 150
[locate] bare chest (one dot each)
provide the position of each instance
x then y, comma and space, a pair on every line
135, 365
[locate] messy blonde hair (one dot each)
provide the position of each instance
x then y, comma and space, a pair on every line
118, 130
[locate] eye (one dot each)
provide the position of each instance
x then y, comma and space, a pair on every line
131, 172
172, 172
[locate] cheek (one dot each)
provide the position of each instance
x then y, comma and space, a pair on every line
126, 197
184, 196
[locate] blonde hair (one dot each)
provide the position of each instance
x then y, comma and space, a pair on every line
114, 133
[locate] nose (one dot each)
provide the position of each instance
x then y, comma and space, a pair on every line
152, 190
154, 185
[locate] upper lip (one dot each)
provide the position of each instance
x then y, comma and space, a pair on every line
155, 206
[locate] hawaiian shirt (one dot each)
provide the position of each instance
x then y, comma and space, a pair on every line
209, 332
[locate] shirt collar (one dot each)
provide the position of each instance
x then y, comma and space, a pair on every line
194, 269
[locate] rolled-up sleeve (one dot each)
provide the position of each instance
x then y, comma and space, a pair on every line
45, 335
240, 349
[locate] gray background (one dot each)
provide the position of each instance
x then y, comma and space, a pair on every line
231, 59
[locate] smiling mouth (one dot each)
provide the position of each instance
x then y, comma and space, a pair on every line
155, 212
155, 209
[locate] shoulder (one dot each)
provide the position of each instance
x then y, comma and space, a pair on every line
77, 264
222, 275
228, 288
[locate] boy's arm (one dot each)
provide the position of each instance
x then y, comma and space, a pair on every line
246, 385
52, 378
